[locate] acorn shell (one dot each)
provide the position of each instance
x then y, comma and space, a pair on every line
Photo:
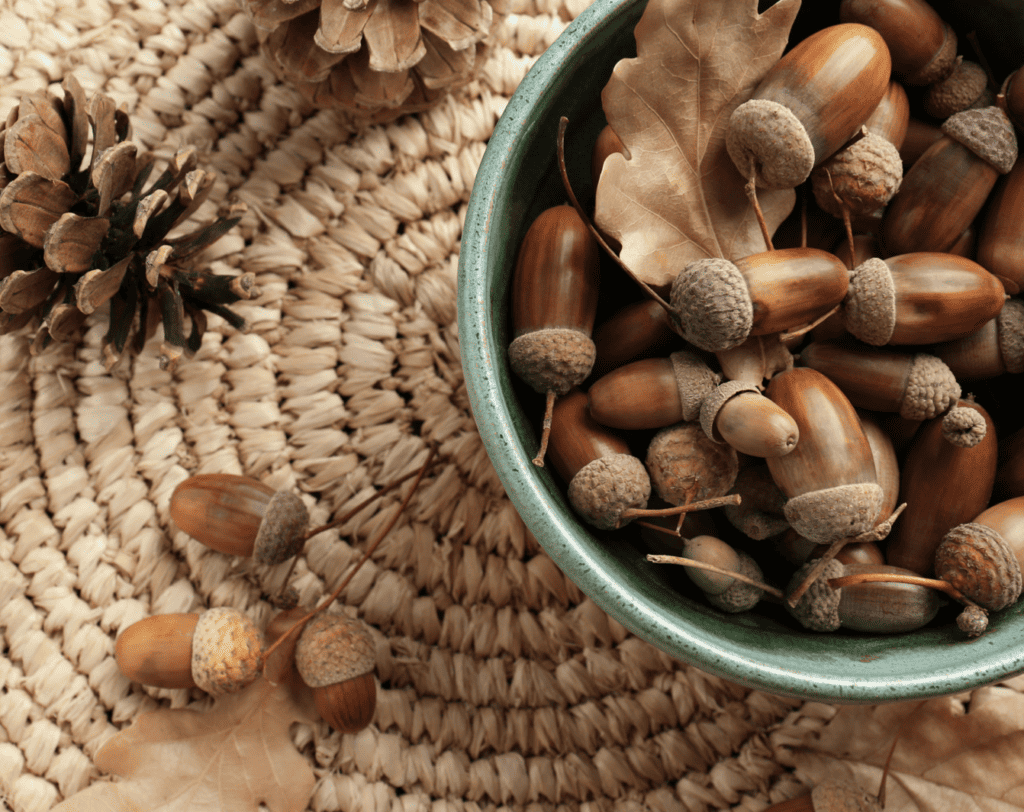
223, 511
157, 650
975, 559
1001, 239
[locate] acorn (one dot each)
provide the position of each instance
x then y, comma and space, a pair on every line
859, 179
920, 298
759, 515
638, 330
975, 558
736, 413
829, 478
891, 118
922, 45
1011, 98
239, 515
947, 186
1001, 238
1010, 470
808, 105
886, 607
920, 136
219, 651
335, 655
722, 592
686, 465
554, 304
993, 350
966, 86
943, 485
918, 386
887, 463
718, 304
818, 607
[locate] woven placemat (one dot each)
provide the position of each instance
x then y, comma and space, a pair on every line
502, 686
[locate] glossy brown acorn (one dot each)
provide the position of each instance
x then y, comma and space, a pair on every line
886, 607
920, 136
638, 330
719, 304
996, 348
1012, 92
891, 118
829, 478
920, 298
922, 44
809, 104
887, 463
1001, 239
943, 485
947, 186
916, 385
738, 414
1006, 518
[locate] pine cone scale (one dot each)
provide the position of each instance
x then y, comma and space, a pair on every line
460, 23
341, 28
30, 204
24, 290
71, 243
392, 36
32, 146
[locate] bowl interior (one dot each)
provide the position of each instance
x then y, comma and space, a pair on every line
762, 649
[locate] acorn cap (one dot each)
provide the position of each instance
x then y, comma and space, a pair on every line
863, 177
694, 380
941, 64
759, 515
976, 560
766, 139
740, 596
711, 304
818, 607
869, 309
835, 797
683, 463
964, 427
830, 514
957, 92
972, 621
1010, 329
606, 487
988, 133
334, 648
227, 650
282, 531
931, 388
716, 400
552, 359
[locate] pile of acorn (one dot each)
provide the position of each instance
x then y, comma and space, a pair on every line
815, 389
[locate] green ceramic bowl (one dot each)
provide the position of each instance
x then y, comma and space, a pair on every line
761, 649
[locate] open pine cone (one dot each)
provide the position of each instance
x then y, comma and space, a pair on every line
378, 59
81, 229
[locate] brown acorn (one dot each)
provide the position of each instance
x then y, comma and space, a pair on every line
920, 136
1011, 98
920, 298
946, 187
943, 485
886, 607
996, 348
808, 105
1001, 238
887, 463
639, 330
718, 304
829, 478
965, 87
736, 413
725, 593
977, 560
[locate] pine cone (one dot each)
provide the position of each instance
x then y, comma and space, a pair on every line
378, 59
76, 235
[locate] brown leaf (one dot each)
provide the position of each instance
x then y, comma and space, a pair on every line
71, 242
30, 204
951, 754
679, 197
228, 758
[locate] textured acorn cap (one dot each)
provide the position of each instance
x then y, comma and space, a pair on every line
957, 91
831, 514
869, 309
606, 487
964, 427
695, 380
863, 177
988, 133
941, 64
227, 648
711, 304
931, 388
740, 596
759, 514
831, 796
282, 530
1010, 328
553, 359
818, 607
767, 139
976, 560
972, 621
681, 458
334, 648
716, 399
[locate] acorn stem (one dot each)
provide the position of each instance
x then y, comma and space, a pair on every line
799, 331
563, 123
688, 507
876, 533
301, 622
751, 190
897, 578
701, 565
545, 433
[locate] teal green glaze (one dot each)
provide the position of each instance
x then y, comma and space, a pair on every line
763, 649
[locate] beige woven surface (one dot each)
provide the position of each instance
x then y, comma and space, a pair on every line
501, 685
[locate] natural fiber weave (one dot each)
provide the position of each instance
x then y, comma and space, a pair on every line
501, 685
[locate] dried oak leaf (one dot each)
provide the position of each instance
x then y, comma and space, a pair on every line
229, 758
953, 753
678, 197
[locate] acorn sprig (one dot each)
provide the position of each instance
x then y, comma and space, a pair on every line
85, 224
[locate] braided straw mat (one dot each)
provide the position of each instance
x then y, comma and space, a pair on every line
502, 686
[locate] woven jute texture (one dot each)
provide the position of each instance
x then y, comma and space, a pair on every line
501, 685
